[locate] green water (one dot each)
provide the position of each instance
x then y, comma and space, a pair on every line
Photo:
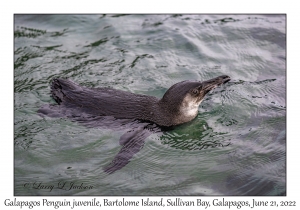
235, 146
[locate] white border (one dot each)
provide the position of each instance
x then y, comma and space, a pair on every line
153, 6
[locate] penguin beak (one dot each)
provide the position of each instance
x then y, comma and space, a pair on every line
213, 83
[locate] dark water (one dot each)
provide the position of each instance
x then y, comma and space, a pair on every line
235, 146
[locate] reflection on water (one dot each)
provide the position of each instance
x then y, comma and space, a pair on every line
235, 146
195, 137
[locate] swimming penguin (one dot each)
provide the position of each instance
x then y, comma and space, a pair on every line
178, 105
138, 115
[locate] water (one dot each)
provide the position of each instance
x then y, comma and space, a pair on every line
235, 146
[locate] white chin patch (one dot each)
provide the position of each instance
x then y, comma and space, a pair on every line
191, 112
190, 109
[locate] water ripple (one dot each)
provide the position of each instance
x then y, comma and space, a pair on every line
235, 146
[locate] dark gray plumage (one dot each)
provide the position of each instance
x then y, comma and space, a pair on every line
178, 105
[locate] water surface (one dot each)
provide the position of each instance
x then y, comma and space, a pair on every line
235, 146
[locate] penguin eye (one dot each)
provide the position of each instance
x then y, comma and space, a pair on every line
195, 91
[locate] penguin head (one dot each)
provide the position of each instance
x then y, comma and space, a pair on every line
184, 98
